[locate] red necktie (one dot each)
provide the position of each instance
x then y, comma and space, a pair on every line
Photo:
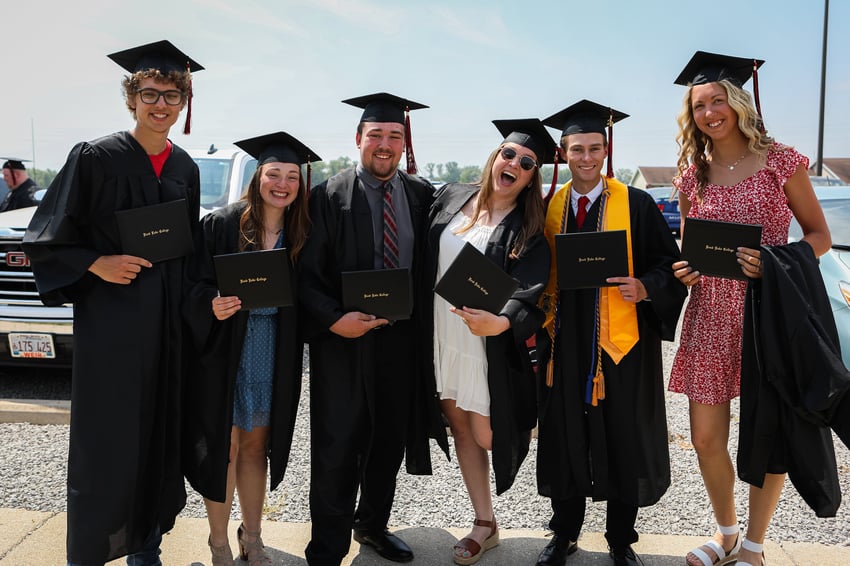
581, 213
390, 230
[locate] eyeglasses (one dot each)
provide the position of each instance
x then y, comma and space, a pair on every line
527, 163
152, 95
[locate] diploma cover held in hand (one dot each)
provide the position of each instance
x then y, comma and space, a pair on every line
709, 246
587, 259
473, 280
385, 293
259, 278
157, 232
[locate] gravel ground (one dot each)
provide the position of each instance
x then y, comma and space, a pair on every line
33, 467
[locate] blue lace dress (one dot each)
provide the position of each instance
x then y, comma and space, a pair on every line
252, 398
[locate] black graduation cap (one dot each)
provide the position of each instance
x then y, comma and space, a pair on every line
14, 163
584, 117
278, 146
160, 55
164, 57
530, 133
383, 107
707, 67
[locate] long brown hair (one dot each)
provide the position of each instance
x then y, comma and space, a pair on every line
695, 146
530, 200
296, 220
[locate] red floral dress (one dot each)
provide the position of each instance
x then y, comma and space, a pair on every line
707, 367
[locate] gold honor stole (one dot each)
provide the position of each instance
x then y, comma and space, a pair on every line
618, 326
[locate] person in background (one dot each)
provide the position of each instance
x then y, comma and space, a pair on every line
125, 482
21, 188
481, 369
603, 426
730, 170
362, 369
245, 382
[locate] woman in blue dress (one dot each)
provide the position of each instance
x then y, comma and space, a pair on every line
242, 394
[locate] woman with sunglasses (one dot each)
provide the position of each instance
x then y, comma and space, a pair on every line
481, 366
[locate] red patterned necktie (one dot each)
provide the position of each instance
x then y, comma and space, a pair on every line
581, 213
390, 229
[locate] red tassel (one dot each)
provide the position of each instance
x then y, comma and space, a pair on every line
187, 126
554, 184
610, 172
408, 144
756, 94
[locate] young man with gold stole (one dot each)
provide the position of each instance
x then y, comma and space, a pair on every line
602, 427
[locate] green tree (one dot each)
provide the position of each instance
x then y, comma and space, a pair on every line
450, 172
42, 177
470, 174
624, 175
323, 170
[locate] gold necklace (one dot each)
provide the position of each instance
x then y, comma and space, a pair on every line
732, 167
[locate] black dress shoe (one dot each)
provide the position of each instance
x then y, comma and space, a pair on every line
556, 552
624, 556
386, 544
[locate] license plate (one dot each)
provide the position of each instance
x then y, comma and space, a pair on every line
31, 345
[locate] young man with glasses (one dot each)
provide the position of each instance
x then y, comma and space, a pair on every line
602, 424
125, 483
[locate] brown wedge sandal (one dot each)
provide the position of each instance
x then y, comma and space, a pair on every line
467, 551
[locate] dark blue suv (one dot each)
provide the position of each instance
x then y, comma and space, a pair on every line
669, 206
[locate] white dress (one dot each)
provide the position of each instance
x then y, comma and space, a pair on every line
460, 358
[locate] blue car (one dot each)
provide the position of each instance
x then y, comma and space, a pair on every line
835, 264
669, 207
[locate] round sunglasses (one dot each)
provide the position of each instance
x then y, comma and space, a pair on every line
526, 162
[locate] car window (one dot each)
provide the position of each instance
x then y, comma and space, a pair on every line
837, 213
250, 167
215, 181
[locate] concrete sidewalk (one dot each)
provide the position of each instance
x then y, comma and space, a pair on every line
33, 538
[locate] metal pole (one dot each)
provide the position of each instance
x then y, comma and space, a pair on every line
32, 135
819, 170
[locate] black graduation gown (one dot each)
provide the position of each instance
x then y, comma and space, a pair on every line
21, 197
618, 449
217, 350
513, 397
340, 240
792, 378
124, 475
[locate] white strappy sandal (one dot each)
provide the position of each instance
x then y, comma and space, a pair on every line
753, 547
723, 558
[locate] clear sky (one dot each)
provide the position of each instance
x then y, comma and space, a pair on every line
286, 64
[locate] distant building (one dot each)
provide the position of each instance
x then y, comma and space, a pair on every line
834, 168
648, 177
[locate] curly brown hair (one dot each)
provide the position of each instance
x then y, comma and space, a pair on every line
296, 219
182, 81
530, 200
695, 146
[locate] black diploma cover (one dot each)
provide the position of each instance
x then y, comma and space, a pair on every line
385, 293
157, 232
473, 280
586, 259
709, 246
259, 278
